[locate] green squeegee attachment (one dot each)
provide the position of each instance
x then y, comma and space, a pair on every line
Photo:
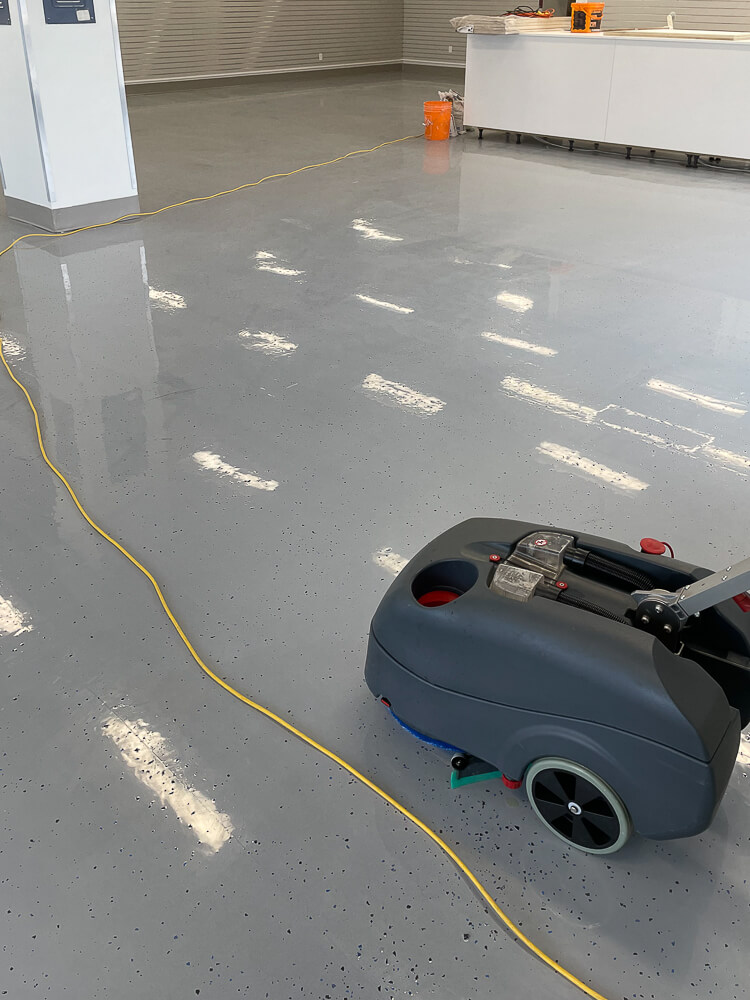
475, 770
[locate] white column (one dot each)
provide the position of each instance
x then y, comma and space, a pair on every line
66, 156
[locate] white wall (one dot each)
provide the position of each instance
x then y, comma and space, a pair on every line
163, 40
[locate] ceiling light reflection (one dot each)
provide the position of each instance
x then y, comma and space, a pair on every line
521, 345
392, 306
590, 467
169, 301
151, 759
402, 395
268, 343
550, 400
516, 303
12, 620
389, 561
707, 402
371, 233
214, 463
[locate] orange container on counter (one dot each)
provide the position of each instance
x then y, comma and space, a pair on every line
586, 17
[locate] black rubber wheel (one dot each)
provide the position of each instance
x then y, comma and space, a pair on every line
459, 762
578, 806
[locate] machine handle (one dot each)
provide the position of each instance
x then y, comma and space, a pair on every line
713, 589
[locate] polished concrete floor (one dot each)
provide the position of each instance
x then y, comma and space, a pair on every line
273, 399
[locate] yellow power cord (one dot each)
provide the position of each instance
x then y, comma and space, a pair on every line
207, 197
428, 831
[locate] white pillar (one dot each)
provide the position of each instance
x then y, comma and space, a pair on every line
66, 157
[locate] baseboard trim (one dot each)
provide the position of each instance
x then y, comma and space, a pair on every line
158, 84
224, 79
59, 220
426, 62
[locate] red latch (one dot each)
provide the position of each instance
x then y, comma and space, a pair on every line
509, 783
654, 547
742, 601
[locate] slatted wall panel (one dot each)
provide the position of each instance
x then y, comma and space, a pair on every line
730, 14
428, 34
189, 39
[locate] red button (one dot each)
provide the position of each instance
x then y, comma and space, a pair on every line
653, 547
495, 558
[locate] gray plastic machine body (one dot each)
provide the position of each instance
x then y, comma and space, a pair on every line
510, 678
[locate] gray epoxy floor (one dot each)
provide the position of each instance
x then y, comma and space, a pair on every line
235, 427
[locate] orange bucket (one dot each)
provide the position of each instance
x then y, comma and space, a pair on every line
437, 119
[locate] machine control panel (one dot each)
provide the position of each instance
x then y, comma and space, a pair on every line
4, 11
69, 11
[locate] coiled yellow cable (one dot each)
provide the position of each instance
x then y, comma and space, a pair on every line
256, 706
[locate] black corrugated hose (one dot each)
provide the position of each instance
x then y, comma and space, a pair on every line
633, 577
577, 602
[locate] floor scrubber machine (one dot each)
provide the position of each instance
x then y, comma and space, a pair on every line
613, 684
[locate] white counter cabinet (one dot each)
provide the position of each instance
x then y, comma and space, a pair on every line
683, 94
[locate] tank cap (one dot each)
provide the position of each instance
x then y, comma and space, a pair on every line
653, 547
